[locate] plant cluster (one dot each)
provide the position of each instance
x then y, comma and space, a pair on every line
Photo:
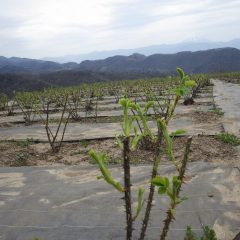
227, 76
135, 127
6, 105
216, 110
74, 103
208, 234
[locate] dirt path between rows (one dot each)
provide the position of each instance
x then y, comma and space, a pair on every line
227, 97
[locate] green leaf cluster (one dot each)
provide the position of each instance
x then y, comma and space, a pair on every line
186, 84
171, 188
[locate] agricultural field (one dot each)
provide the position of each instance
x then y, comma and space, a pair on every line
84, 161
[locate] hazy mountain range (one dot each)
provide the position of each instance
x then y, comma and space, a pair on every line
213, 60
208, 61
26, 65
22, 74
149, 50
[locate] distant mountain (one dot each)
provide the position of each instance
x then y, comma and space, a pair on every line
28, 74
114, 64
24, 65
214, 60
149, 50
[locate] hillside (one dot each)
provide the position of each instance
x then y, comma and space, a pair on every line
10, 82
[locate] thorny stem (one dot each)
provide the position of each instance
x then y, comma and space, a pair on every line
151, 192
96, 109
168, 220
64, 129
170, 114
127, 187
154, 174
27, 113
47, 128
170, 211
185, 160
61, 119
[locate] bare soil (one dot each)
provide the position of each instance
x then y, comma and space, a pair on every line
205, 117
204, 148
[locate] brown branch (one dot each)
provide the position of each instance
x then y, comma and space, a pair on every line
127, 187
170, 212
151, 192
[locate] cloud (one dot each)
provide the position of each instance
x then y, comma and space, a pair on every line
41, 28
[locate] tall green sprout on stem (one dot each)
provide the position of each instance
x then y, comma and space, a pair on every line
172, 190
127, 143
185, 85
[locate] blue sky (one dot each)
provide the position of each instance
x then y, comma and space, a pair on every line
40, 28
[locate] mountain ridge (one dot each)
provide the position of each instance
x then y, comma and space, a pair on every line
148, 50
220, 59
225, 59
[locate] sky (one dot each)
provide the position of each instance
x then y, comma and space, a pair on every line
50, 28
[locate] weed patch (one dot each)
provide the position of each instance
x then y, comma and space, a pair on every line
22, 143
22, 158
216, 110
228, 138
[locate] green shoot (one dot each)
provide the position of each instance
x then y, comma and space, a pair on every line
106, 174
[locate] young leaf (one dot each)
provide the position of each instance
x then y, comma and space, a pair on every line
148, 105
137, 137
181, 73
123, 102
119, 142
135, 141
140, 202
186, 78
100, 160
189, 234
190, 83
177, 132
127, 120
160, 181
144, 119
176, 182
181, 91
169, 145
209, 234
